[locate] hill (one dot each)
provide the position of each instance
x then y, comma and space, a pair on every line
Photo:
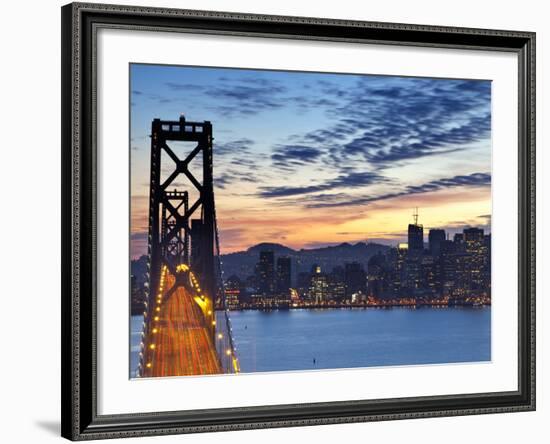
242, 263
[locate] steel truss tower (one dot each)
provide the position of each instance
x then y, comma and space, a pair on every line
171, 215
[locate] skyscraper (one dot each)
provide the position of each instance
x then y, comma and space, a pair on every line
336, 285
416, 236
283, 275
376, 275
476, 248
435, 237
318, 289
266, 273
355, 279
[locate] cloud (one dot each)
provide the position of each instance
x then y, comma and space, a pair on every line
177, 86
290, 156
349, 180
225, 179
472, 180
245, 97
237, 162
391, 120
234, 147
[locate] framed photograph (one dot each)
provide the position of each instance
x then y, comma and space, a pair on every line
280, 221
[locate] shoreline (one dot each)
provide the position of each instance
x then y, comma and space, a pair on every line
355, 306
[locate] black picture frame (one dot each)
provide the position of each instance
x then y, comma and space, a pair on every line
80, 420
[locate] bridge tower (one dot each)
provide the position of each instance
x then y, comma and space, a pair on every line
177, 226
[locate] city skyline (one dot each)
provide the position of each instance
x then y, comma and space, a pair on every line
312, 159
447, 272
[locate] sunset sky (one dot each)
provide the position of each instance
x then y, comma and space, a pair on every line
314, 159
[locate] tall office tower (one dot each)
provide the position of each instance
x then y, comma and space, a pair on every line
475, 247
355, 279
435, 237
413, 278
430, 275
416, 235
396, 259
377, 276
318, 288
283, 275
337, 287
448, 266
266, 273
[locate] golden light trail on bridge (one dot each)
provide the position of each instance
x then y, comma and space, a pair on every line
181, 343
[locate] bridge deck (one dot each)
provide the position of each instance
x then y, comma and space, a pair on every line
183, 345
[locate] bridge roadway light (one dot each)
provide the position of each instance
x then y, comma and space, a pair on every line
220, 336
148, 365
228, 352
152, 346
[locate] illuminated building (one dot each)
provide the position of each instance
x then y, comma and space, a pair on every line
318, 287
476, 248
337, 287
302, 284
430, 283
413, 271
137, 296
294, 296
233, 290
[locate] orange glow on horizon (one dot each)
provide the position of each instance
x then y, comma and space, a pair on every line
386, 220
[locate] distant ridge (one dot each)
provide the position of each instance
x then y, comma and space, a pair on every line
242, 263
267, 246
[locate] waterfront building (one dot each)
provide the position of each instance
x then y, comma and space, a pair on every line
302, 284
233, 291
318, 288
283, 275
377, 280
137, 296
337, 286
265, 271
475, 247
413, 278
430, 284
355, 279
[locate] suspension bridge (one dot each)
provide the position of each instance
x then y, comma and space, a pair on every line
186, 326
